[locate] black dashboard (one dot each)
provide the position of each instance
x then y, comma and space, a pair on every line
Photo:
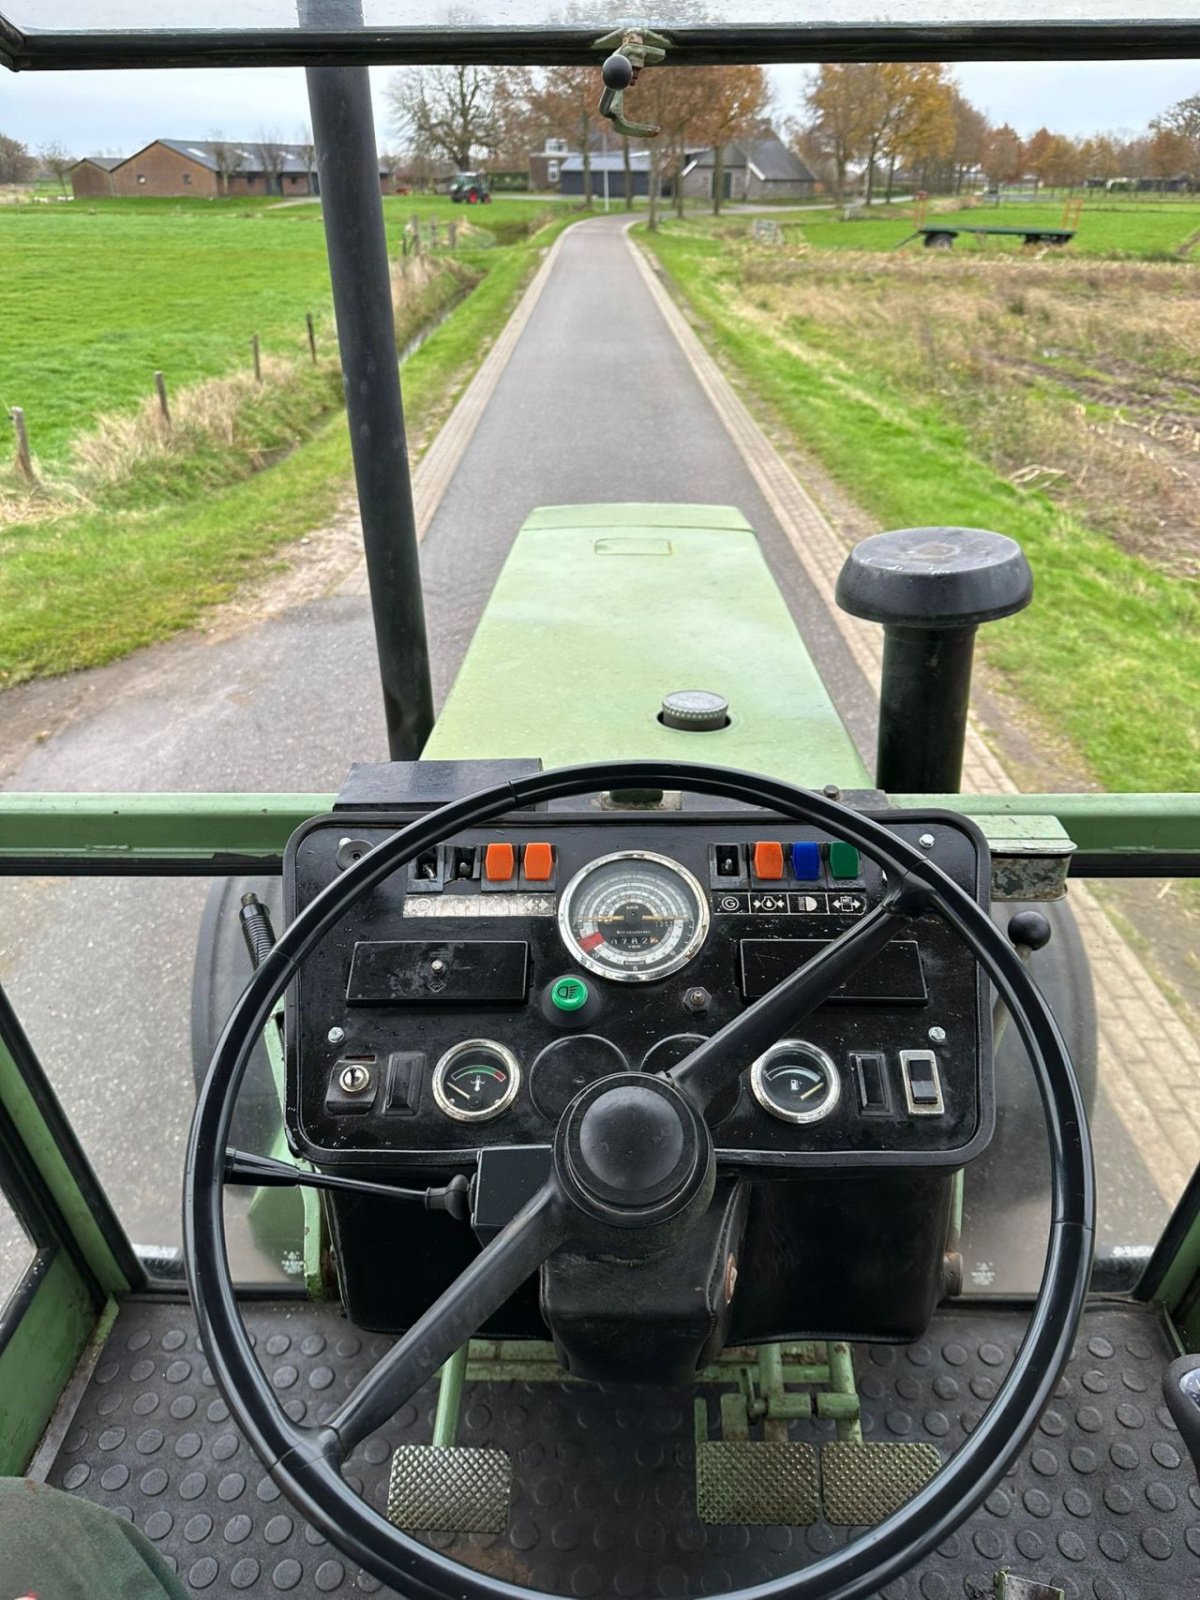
466, 1001
446, 1022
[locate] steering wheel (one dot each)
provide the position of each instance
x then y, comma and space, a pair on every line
634, 1167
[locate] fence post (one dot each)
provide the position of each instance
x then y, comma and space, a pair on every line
160, 385
312, 337
24, 459
433, 233
452, 235
257, 359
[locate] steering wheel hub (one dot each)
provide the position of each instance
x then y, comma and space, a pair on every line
632, 1150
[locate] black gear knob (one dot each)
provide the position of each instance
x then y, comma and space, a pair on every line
1029, 930
617, 71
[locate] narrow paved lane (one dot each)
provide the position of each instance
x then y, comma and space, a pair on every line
598, 403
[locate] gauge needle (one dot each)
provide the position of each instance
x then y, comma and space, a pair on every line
808, 1093
462, 1092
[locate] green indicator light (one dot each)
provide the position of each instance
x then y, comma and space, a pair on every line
568, 994
843, 860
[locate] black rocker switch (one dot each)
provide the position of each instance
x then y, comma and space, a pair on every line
922, 1084
1181, 1391
870, 1071
405, 1072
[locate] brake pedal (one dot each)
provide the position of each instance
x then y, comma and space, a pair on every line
861, 1484
449, 1489
756, 1483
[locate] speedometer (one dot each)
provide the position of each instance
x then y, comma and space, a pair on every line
633, 916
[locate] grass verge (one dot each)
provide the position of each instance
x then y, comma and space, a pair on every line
1108, 657
83, 588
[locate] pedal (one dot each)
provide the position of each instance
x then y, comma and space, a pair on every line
861, 1484
1009, 1587
756, 1483
449, 1489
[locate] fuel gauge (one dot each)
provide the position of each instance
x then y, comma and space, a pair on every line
796, 1082
476, 1080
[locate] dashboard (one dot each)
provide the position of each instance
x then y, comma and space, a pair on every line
462, 1004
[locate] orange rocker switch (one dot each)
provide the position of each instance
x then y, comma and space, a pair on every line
768, 859
499, 863
538, 863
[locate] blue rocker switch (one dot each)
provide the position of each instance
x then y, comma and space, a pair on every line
806, 862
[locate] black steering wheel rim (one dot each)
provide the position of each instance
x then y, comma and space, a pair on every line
295, 1457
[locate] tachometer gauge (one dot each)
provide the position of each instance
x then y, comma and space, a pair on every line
476, 1080
633, 916
796, 1082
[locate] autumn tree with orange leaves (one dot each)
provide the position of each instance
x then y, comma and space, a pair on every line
696, 108
881, 113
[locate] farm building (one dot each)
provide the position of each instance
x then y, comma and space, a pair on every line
570, 178
207, 168
754, 169
93, 176
545, 165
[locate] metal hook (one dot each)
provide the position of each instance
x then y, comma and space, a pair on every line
641, 48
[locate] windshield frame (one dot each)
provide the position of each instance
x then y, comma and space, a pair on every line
722, 44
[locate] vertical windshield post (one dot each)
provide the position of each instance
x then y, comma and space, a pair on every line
348, 168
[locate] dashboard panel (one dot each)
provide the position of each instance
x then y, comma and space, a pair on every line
464, 1002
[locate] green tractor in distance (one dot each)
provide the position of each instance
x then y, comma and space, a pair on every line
626, 1059
470, 189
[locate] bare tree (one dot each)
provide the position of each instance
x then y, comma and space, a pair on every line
272, 153
1176, 139
449, 112
227, 156
16, 164
306, 151
54, 158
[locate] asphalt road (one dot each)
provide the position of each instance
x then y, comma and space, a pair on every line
597, 403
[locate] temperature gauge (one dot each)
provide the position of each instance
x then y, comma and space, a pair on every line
476, 1080
796, 1082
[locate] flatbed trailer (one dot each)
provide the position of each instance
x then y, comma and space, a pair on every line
941, 235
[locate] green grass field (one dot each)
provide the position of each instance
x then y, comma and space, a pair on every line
926, 386
1131, 229
97, 296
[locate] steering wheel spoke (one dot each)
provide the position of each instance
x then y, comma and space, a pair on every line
715, 1064
536, 1231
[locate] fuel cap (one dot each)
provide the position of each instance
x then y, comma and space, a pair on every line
694, 711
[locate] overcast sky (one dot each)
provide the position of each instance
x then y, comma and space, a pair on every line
119, 112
